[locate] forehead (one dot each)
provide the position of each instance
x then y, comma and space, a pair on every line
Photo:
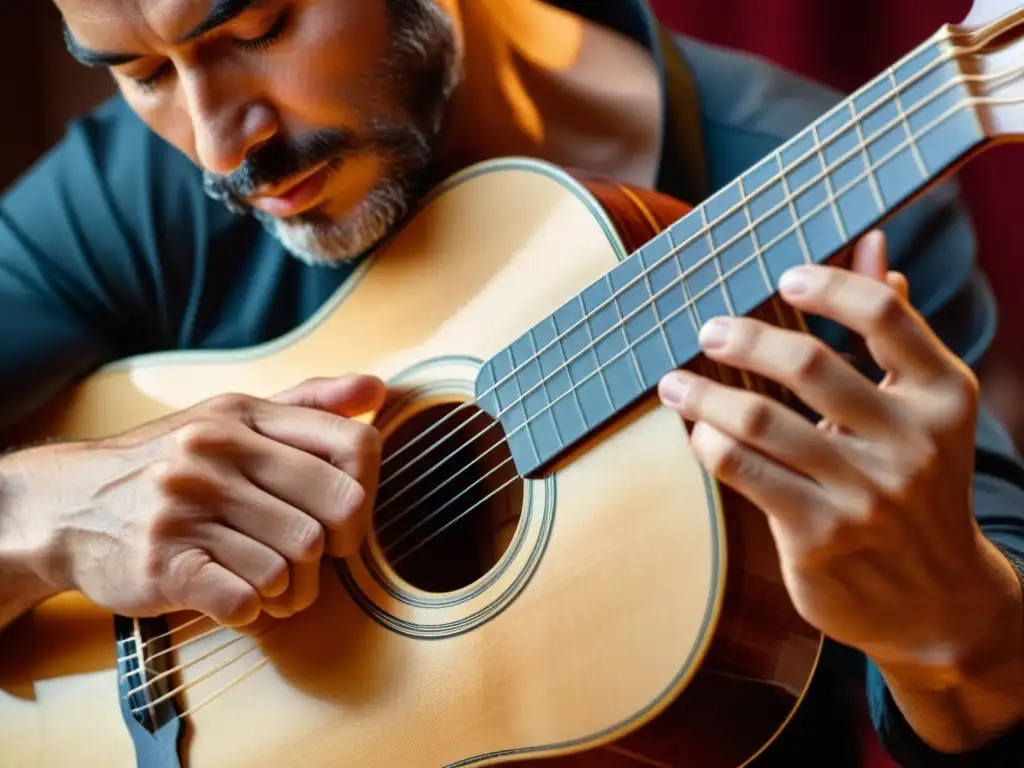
123, 22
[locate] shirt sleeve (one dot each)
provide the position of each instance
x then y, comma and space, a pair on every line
748, 108
96, 241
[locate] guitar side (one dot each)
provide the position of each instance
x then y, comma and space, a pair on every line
637, 616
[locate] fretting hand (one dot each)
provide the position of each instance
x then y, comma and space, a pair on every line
871, 508
226, 508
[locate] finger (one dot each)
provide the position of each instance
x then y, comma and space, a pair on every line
896, 335
336, 499
197, 582
759, 422
352, 395
349, 445
296, 536
260, 565
802, 363
869, 256
788, 498
302, 591
340, 499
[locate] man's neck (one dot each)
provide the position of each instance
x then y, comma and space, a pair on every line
546, 83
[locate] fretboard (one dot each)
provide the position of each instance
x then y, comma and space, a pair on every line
607, 347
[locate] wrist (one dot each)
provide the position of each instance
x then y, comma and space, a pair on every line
31, 548
969, 693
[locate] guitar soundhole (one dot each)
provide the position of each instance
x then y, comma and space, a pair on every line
450, 498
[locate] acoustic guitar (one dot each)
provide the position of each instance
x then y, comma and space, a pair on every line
549, 577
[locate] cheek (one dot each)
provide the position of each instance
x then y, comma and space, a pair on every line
322, 74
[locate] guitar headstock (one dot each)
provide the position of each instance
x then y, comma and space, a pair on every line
990, 41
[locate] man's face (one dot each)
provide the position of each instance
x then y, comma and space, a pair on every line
321, 117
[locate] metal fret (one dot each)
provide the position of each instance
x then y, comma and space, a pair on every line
622, 322
828, 184
722, 282
914, 150
792, 209
755, 240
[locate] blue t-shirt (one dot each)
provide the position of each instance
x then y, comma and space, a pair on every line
109, 247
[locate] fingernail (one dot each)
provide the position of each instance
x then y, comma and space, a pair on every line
672, 389
796, 281
714, 334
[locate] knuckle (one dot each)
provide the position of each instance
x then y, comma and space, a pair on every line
200, 436
233, 405
888, 310
756, 419
238, 605
810, 361
962, 395
274, 579
310, 542
177, 480
723, 456
350, 498
367, 442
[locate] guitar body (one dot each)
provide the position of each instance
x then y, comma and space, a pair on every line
631, 612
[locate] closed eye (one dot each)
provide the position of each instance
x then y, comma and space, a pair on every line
260, 43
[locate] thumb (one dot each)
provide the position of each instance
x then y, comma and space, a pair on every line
349, 396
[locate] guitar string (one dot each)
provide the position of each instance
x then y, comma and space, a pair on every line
965, 102
224, 689
158, 676
195, 681
158, 654
161, 637
391, 520
424, 520
686, 305
198, 659
891, 96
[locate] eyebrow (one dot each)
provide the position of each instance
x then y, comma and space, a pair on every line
222, 12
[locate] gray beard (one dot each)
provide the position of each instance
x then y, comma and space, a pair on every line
422, 34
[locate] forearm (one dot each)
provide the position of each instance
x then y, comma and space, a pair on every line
21, 558
962, 707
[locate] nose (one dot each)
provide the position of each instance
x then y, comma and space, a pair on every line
227, 122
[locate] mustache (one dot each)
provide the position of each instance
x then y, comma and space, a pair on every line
282, 158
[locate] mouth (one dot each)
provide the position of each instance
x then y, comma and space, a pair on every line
296, 196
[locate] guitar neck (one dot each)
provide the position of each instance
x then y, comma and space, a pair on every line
607, 347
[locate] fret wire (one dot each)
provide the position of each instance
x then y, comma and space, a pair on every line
713, 255
828, 183
943, 58
875, 189
898, 99
791, 199
521, 400
591, 348
761, 262
547, 394
654, 305
688, 302
748, 382
622, 325
968, 101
